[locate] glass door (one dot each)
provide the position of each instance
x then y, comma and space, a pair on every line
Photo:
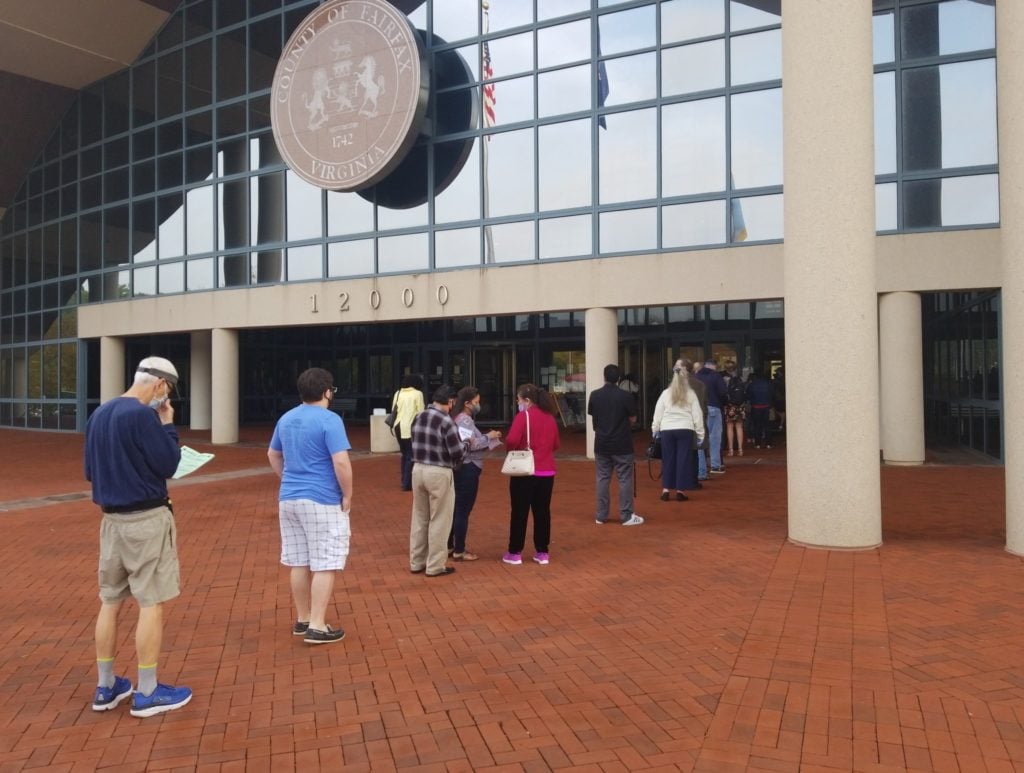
493, 374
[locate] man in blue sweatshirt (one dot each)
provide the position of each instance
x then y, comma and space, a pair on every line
131, 448
717, 398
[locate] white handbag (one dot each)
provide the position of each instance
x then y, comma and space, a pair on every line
520, 463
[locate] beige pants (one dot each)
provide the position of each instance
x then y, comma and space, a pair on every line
433, 504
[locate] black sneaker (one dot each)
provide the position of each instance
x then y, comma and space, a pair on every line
299, 628
313, 636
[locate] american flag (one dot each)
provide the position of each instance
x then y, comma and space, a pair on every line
488, 72
489, 99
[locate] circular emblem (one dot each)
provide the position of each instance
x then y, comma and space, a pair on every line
349, 94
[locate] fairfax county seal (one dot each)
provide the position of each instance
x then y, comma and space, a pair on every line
349, 94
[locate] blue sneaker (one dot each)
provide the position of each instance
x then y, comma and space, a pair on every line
164, 698
107, 698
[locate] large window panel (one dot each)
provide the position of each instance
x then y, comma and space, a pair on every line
169, 84
566, 237
143, 281
627, 30
507, 15
697, 67
460, 247
760, 216
565, 165
231, 67
970, 200
170, 212
885, 123
461, 199
198, 75
510, 164
630, 230
690, 19
199, 223
885, 207
406, 253
514, 100
631, 79
693, 147
171, 278
937, 29
745, 15
456, 19
199, 274
348, 213
756, 57
353, 258
513, 242
552, 9
883, 28
564, 91
628, 159
305, 263
116, 237
757, 138
511, 55
233, 214
305, 214
693, 225
949, 116
563, 44
143, 231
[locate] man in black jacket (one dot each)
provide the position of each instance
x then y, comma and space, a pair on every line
614, 412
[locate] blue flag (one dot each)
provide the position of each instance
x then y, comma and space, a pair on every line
602, 83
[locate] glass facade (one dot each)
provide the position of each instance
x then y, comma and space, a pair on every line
164, 178
962, 376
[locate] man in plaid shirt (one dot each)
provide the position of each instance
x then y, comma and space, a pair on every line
436, 451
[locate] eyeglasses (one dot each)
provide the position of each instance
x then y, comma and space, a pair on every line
334, 391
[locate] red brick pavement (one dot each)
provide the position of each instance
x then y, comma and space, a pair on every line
699, 641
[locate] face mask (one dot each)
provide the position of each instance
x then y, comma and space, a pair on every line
474, 408
156, 403
522, 407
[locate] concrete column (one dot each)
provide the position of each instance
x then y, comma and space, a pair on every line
199, 388
111, 368
902, 378
224, 392
1010, 76
829, 269
602, 348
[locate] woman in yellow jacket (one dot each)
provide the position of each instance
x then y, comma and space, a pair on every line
408, 401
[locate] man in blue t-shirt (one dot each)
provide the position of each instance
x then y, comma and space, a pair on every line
131, 448
309, 452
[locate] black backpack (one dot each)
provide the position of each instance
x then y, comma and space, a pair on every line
736, 391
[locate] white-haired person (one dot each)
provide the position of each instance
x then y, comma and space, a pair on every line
679, 421
131, 448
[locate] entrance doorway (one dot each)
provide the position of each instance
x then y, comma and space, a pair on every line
494, 374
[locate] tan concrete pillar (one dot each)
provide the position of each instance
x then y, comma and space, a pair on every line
902, 378
1010, 76
224, 392
199, 387
829, 264
602, 344
111, 368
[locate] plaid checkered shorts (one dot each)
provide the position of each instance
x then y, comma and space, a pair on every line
313, 535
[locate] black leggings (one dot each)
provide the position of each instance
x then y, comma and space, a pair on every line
526, 493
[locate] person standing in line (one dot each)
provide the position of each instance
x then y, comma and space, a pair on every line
699, 457
760, 393
534, 427
717, 398
437, 451
467, 477
613, 411
131, 448
680, 423
735, 409
309, 452
408, 403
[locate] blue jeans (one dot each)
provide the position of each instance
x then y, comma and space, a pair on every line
715, 436
467, 483
623, 466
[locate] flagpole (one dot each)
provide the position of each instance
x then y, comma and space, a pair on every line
484, 142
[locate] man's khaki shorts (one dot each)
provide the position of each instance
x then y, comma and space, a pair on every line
139, 557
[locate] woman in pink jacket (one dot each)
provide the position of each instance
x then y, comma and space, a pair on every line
532, 492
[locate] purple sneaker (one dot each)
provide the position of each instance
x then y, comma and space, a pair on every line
542, 558
513, 558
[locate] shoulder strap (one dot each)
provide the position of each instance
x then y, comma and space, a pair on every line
527, 430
